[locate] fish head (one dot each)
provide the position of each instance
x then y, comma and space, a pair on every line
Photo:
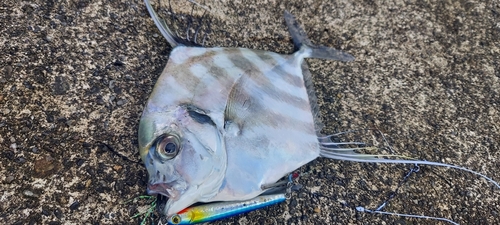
184, 155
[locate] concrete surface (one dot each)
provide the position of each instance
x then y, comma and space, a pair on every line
75, 76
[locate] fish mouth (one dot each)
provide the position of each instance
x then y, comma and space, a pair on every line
164, 189
165, 195
161, 203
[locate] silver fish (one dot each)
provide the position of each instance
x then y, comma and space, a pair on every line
221, 123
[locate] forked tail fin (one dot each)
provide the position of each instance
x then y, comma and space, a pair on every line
335, 150
300, 40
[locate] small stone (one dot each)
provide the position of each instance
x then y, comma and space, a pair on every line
118, 63
121, 102
117, 168
74, 205
13, 146
317, 209
21, 160
111, 84
58, 213
297, 187
45, 211
9, 179
70, 123
12, 140
88, 183
34, 150
8, 71
45, 166
9, 154
100, 101
80, 162
29, 193
119, 186
109, 215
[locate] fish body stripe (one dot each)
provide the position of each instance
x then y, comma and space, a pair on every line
275, 107
263, 88
274, 71
218, 68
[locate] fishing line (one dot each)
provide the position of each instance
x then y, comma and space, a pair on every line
362, 209
149, 212
120, 155
413, 169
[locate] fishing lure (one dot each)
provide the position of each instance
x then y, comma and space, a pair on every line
221, 123
220, 210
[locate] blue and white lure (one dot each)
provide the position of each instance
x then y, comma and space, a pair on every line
222, 123
220, 210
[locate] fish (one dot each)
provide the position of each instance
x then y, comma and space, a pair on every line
221, 124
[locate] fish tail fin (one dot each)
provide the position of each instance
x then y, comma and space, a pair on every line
300, 40
336, 150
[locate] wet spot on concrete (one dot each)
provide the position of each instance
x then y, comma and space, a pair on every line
61, 85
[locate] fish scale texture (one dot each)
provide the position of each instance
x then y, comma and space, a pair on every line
75, 76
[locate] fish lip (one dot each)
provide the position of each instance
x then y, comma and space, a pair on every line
165, 189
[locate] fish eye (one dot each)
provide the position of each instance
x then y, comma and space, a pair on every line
175, 219
167, 146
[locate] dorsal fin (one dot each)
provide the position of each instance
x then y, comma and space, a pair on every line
172, 39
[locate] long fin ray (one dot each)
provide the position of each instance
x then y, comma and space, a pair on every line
172, 39
346, 155
162, 26
300, 40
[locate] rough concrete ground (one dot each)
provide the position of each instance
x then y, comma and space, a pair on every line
75, 76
